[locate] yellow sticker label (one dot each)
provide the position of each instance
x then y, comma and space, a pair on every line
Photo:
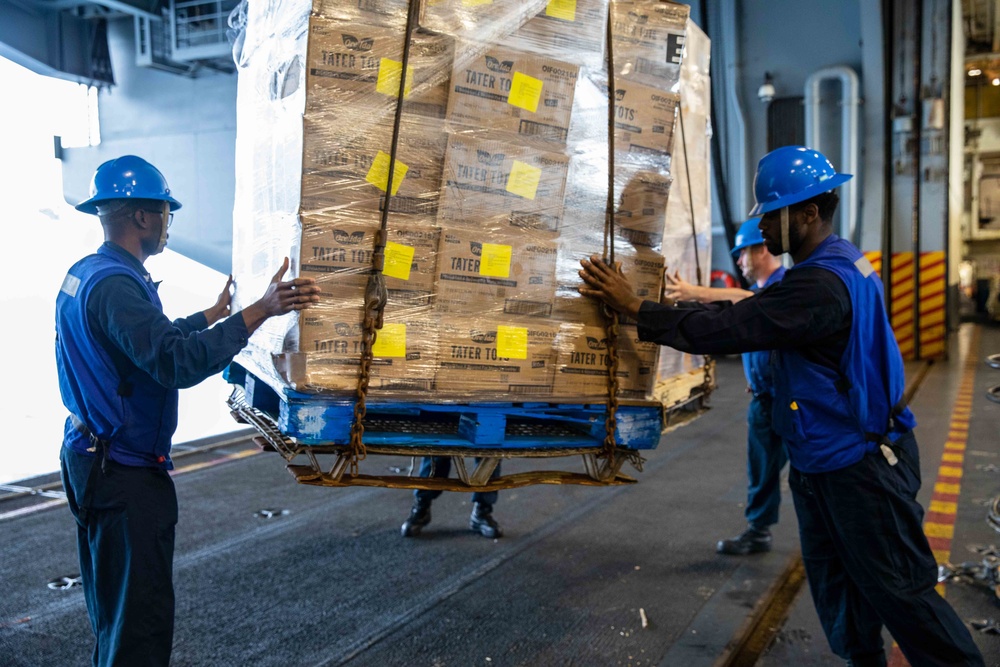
561, 9
388, 78
378, 175
523, 179
390, 341
794, 406
525, 91
398, 260
512, 342
495, 260
476, 3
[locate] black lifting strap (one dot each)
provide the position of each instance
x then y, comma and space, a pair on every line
98, 446
843, 385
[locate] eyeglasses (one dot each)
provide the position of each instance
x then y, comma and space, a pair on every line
170, 216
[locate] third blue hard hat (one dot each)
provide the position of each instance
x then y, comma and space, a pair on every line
748, 235
127, 177
790, 175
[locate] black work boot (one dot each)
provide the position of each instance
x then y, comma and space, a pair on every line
481, 521
420, 516
750, 541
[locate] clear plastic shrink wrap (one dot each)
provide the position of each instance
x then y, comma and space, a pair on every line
499, 189
683, 235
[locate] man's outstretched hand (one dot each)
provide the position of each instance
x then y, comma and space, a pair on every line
606, 283
222, 305
281, 297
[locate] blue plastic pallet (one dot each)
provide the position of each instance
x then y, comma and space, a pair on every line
317, 419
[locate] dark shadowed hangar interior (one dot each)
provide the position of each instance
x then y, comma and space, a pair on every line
696, 473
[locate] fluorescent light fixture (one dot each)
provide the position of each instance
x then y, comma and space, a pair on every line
975, 72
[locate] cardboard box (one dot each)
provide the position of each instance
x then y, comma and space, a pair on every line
644, 122
483, 21
642, 268
337, 252
494, 275
389, 13
355, 67
639, 214
648, 41
582, 357
502, 356
642, 207
329, 351
512, 91
503, 184
570, 27
343, 168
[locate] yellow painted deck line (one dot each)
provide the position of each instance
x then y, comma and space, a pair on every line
943, 507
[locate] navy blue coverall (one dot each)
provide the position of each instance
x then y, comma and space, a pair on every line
766, 455
866, 556
120, 363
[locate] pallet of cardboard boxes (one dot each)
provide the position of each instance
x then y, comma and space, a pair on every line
499, 189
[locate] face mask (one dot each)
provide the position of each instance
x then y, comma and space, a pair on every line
163, 229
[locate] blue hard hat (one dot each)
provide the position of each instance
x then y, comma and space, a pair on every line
749, 235
790, 175
127, 177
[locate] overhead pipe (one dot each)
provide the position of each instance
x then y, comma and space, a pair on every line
849, 132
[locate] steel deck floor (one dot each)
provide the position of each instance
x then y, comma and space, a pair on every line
332, 582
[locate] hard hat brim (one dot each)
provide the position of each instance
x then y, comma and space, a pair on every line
90, 205
834, 181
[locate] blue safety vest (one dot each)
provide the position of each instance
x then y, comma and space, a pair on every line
123, 408
757, 365
831, 418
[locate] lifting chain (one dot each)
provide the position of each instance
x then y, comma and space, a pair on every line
611, 421
706, 361
376, 296
611, 317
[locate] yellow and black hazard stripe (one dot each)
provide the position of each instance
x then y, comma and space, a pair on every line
932, 308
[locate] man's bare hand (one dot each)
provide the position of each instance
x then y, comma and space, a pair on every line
606, 283
676, 288
222, 306
281, 297
284, 297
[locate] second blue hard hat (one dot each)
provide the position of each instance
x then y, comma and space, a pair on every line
790, 175
748, 235
127, 177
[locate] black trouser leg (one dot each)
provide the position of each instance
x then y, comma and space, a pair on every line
432, 466
127, 515
440, 466
868, 517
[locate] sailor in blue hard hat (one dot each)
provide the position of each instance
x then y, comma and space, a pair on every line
787, 176
121, 363
747, 236
839, 406
132, 186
